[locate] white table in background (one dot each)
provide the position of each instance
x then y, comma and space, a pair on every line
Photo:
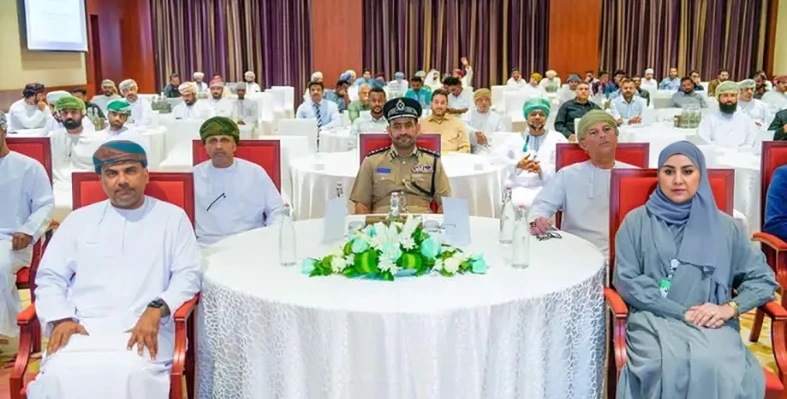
315, 178
267, 331
337, 140
659, 135
747, 182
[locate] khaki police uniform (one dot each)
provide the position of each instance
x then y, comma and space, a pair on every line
420, 176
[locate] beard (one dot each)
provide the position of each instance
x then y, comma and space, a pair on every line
71, 124
728, 108
535, 126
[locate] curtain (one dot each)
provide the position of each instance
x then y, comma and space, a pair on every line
272, 38
706, 35
495, 35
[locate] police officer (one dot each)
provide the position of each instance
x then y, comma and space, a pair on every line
415, 172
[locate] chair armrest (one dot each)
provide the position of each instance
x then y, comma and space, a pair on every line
778, 316
770, 240
619, 311
183, 325
184, 311
26, 319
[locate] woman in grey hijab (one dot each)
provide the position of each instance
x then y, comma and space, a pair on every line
677, 261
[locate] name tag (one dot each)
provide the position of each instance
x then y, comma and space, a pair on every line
422, 169
383, 170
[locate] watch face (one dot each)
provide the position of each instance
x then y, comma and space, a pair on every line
158, 303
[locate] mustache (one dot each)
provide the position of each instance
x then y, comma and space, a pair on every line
123, 187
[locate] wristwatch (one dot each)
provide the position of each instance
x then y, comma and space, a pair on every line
159, 304
734, 305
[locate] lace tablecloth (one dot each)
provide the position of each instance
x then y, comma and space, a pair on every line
266, 331
314, 181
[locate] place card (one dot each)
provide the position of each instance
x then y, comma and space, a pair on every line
456, 221
334, 220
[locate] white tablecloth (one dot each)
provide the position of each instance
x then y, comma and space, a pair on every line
747, 183
659, 135
315, 178
337, 140
266, 331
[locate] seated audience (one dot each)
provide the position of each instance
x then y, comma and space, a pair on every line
365, 79
361, 104
777, 98
723, 76
599, 87
130, 244
55, 123
551, 83
761, 85
108, 93
191, 108
687, 271
569, 91
118, 112
199, 77
232, 195
325, 112
672, 82
516, 80
695, 78
91, 110
27, 201
251, 85
377, 122
433, 80
460, 100
649, 83
728, 127
756, 109
31, 111
572, 110
452, 131
776, 205
627, 108
687, 96
244, 111
141, 111
581, 190
72, 144
398, 86
403, 167
483, 121
642, 93
339, 95
221, 106
779, 126
528, 158
171, 89
419, 92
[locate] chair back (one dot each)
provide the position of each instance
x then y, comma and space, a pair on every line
368, 142
265, 153
774, 154
38, 148
631, 188
635, 154
175, 188
300, 127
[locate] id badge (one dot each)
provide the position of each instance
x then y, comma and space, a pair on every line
664, 286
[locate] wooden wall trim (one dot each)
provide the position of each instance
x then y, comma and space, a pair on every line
574, 30
770, 39
337, 38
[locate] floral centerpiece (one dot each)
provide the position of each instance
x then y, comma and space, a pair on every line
390, 249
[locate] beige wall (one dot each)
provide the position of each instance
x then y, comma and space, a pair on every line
19, 66
780, 53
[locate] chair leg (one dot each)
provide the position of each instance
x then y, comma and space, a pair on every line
756, 327
612, 377
191, 355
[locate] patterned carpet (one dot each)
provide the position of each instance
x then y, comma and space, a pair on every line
761, 349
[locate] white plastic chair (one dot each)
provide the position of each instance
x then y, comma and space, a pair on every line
300, 127
497, 98
289, 98
514, 101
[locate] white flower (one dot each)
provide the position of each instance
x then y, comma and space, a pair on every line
407, 242
338, 264
350, 259
438, 264
451, 265
385, 264
385, 235
409, 226
337, 252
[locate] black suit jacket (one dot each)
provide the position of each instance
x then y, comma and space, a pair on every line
778, 125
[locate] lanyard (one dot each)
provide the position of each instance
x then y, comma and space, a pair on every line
666, 283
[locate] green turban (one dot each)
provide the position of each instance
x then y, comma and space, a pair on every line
69, 102
726, 87
747, 84
536, 104
593, 117
219, 126
122, 107
119, 151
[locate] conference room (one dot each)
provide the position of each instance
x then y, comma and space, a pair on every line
393, 199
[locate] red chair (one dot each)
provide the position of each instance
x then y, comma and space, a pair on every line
630, 188
40, 149
774, 154
567, 154
176, 188
369, 142
265, 153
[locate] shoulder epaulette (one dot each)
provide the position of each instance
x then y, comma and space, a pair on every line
378, 151
428, 151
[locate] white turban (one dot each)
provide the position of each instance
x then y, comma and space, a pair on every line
240, 86
188, 88
198, 75
317, 75
649, 71
249, 75
127, 84
551, 74
53, 96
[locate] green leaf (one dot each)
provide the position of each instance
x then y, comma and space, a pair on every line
350, 272
445, 273
387, 276
348, 247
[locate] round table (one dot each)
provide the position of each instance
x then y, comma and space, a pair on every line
314, 181
659, 135
337, 140
747, 182
267, 331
